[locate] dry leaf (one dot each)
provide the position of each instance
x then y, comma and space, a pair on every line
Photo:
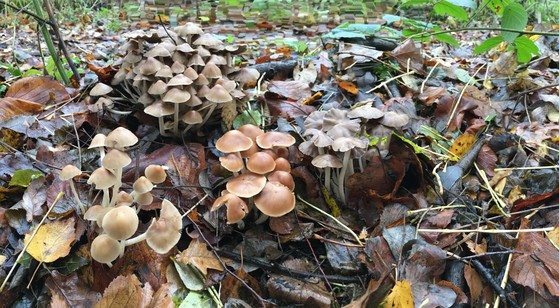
38, 89
52, 241
197, 255
348, 87
462, 144
122, 292
11, 107
400, 296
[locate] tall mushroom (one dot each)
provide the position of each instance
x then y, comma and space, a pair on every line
67, 174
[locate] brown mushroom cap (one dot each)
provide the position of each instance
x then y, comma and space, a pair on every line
261, 163
142, 185
105, 249
150, 66
102, 178
116, 159
176, 96
236, 207
251, 131
159, 109
157, 88
275, 200
274, 139
282, 164
163, 234
282, 177
233, 141
124, 198
245, 75
120, 222
156, 173
192, 117
211, 71
232, 162
120, 138
218, 94
69, 172
246, 185
143, 199
179, 80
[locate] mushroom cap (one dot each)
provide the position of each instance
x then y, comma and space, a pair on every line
177, 67
158, 51
237, 209
207, 40
394, 119
179, 80
251, 131
164, 233
196, 60
188, 29
102, 178
201, 80
232, 162
164, 72
185, 47
274, 139
120, 138
282, 177
218, 94
245, 75
142, 185
253, 149
116, 159
143, 199
282, 164
190, 73
124, 198
227, 84
120, 222
212, 71
308, 148
233, 141
156, 173
159, 109
176, 96
97, 141
203, 52
275, 200
69, 172
96, 213
145, 99
338, 124
150, 66
157, 88
315, 120
192, 117
246, 185
105, 249
366, 111
100, 89
327, 161
261, 163
344, 144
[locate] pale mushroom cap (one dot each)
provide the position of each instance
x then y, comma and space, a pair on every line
236, 207
143, 199
245, 75
163, 234
124, 198
177, 67
344, 144
394, 119
105, 249
69, 172
156, 173
274, 139
327, 161
208, 40
211, 70
227, 84
176, 96
218, 94
142, 185
159, 109
116, 159
150, 66
366, 111
233, 141
179, 80
120, 222
158, 51
100, 89
246, 185
261, 163
157, 88
96, 213
102, 178
232, 162
190, 73
97, 141
275, 200
120, 138
188, 29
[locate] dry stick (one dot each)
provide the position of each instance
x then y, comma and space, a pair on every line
457, 103
61, 45
60, 195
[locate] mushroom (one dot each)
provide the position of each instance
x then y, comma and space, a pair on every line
67, 174
232, 162
156, 173
159, 110
99, 142
233, 141
272, 140
105, 249
142, 185
191, 118
345, 145
261, 163
103, 178
120, 138
282, 164
120, 222
236, 207
177, 97
96, 213
116, 160
246, 185
327, 161
100, 89
282, 177
217, 95
275, 200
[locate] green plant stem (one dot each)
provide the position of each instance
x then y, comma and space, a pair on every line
428, 33
50, 44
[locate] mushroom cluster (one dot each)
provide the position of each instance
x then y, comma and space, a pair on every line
181, 77
117, 214
262, 173
336, 137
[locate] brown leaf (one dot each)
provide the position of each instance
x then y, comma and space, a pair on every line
38, 89
294, 291
198, 255
163, 298
74, 291
474, 282
286, 109
33, 198
409, 56
11, 107
348, 87
124, 291
487, 160
294, 90
231, 287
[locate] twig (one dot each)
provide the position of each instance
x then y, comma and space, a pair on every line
37, 17
60, 195
491, 231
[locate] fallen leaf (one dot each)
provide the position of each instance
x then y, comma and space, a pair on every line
124, 291
39, 90
11, 107
198, 255
400, 296
52, 241
462, 144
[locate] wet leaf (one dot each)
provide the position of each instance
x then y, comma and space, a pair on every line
39, 90
24, 177
200, 257
33, 198
348, 87
11, 107
196, 300
52, 241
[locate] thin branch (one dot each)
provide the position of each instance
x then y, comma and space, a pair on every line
39, 18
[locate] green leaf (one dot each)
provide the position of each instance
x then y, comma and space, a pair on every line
462, 75
33, 72
196, 300
390, 19
516, 18
446, 38
446, 8
24, 177
248, 117
525, 49
464, 3
415, 2
495, 5
488, 44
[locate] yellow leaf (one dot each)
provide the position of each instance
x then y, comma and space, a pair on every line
52, 241
462, 144
125, 292
200, 257
400, 296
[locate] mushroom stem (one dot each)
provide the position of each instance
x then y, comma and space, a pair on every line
261, 219
176, 121
106, 199
101, 155
116, 187
341, 177
76, 196
327, 179
136, 240
208, 114
162, 127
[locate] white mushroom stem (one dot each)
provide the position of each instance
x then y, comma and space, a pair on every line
116, 187
76, 196
101, 155
176, 121
137, 239
106, 199
342, 176
327, 179
162, 127
208, 114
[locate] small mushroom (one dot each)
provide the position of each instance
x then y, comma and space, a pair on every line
120, 222
261, 163
246, 185
232, 162
67, 174
282, 177
345, 145
105, 249
236, 207
142, 185
102, 178
156, 173
275, 200
116, 160
326, 162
